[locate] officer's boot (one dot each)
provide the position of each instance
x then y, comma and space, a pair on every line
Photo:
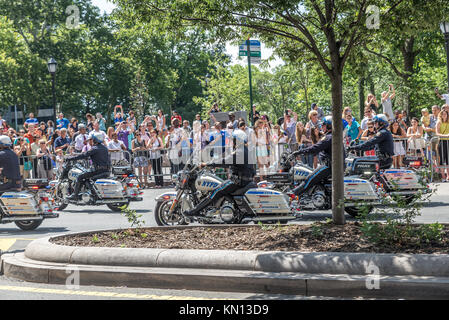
201, 206
299, 189
75, 195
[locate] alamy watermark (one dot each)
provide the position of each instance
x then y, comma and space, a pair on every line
373, 279
73, 20
373, 18
73, 280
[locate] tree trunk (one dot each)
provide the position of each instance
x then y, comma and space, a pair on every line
88, 106
409, 60
372, 87
362, 97
338, 213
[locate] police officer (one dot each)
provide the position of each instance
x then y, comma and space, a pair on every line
101, 160
324, 149
242, 172
9, 166
383, 142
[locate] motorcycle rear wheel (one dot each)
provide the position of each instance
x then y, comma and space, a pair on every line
276, 222
163, 218
28, 225
355, 211
409, 199
62, 206
117, 207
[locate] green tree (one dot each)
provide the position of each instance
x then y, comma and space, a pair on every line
325, 32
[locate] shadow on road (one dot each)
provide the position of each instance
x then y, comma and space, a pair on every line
41, 230
315, 217
435, 204
101, 211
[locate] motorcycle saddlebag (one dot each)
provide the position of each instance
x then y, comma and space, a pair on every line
402, 179
109, 189
359, 189
19, 203
265, 201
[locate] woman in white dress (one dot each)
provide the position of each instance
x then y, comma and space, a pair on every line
415, 134
399, 150
261, 147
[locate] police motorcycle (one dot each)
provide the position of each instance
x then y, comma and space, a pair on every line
125, 175
293, 173
26, 207
312, 189
243, 206
404, 183
98, 190
399, 184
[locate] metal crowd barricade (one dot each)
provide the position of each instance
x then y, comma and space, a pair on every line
173, 160
127, 162
439, 152
32, 167
415, 152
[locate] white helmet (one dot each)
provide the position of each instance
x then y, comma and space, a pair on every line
240, 136
97, 137
5, 141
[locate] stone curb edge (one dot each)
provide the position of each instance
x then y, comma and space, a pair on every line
410, 287
264, 261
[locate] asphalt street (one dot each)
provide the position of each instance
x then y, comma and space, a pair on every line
87, 218
78, 219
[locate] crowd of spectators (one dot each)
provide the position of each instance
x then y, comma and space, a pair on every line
161, 138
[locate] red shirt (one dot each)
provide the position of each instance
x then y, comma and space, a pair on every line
29, 136
177, 117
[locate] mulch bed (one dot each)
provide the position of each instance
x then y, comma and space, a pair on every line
304, 238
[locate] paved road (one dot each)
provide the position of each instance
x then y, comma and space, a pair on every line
77, 219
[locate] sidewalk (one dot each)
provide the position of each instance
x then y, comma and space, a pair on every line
311, 274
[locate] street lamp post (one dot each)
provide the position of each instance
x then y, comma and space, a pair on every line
444, 26
52, 65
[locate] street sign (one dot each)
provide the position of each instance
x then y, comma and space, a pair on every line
255, 56
251, 43
252, 53
256, 60
254, 48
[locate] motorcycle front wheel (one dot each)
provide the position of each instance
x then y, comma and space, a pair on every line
28, 225
164, 218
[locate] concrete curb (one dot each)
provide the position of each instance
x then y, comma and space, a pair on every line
330, 285
267, 261
421, 276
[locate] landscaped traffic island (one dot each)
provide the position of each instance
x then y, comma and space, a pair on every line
319, 237
312, 260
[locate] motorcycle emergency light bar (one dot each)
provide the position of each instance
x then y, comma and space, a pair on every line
415, 163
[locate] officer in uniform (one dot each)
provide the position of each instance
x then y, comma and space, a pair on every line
324, 149
9, 166
382, 141
101, 160
242, 172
